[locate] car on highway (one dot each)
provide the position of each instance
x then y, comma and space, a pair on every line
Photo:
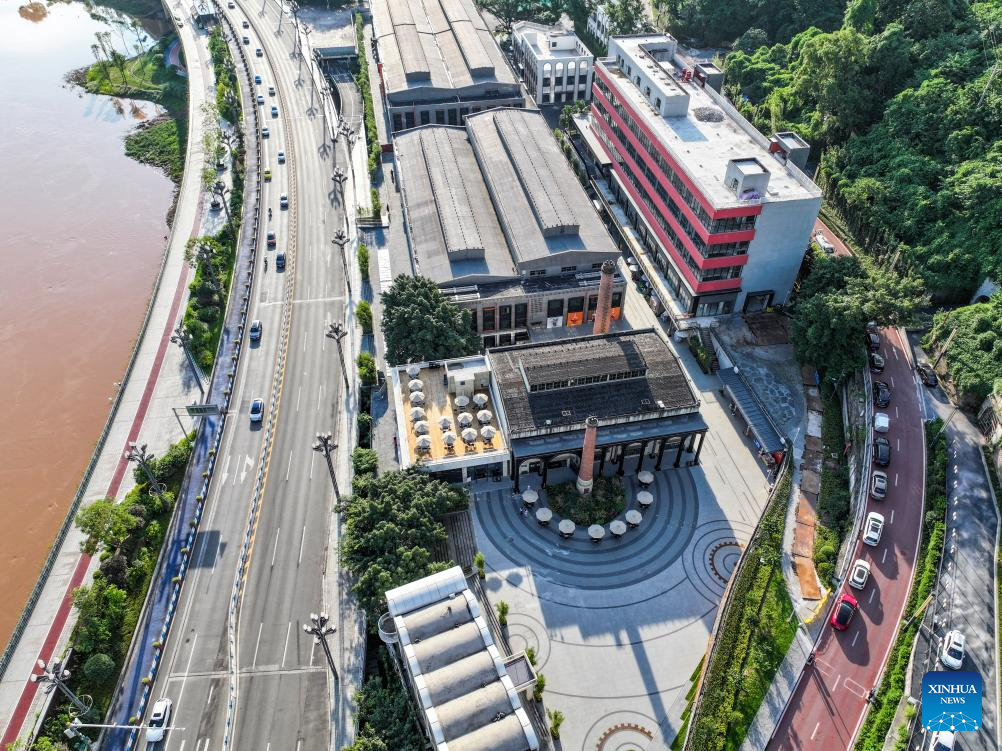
881, 394
264, 133
873, 341
881, 422
843, 611
159, 719
280, 260
246, 40
882, 452
942, 740
876, 363
257, 410
271, 91
952, 654
231, 5
927, 375
246, 24
271, 238
281, 157
878, 486
260, 98
258, 52
257, 80
254, 332
267, 175
873, 528
860, 574
274, 111
283, 201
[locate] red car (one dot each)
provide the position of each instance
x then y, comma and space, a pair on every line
845, 609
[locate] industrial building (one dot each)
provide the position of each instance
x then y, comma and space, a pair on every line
554, 65
723, 215
497, 219
438, 62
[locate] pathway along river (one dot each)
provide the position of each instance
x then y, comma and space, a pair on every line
81, 238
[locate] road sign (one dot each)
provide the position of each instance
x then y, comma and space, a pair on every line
202, 410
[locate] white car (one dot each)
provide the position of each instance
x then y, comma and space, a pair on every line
881, 422
257, 410
860, 574
873, 528
824, 244
942, 740
260, 99
159, 719
952, 655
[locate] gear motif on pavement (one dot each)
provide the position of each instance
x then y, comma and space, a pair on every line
723, 558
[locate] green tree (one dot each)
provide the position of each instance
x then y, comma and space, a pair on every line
99, 668
363, 312
751, 40
105, 523
625, 16
366, 368
420, 324
364, 461
100, 610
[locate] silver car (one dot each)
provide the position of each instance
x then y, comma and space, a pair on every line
878, 485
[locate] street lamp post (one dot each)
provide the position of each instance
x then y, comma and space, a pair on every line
181, 337
325, 444
337, 332
340, 239
320, 629
142, 457
55, 676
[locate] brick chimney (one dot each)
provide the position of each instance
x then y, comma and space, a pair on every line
604, 311
585, 481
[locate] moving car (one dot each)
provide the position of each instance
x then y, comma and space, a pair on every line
952, 655
878, 486
843, 612
264, 134
267, 175
274, 111
283, 201
257, 410
260, 99
876, 363
280, 260
231, 5
257, 80
258, 52
860, 574
873, 528
824, 243
246, 24
942, 740
271, 238
254, 332
246, 40
271, 91
881, 394
927, 375
881, 422
882, 452
159, 719
873, 341
281, 157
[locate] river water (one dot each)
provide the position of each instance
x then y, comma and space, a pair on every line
82, 231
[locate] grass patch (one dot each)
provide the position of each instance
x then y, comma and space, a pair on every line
606, 501
834, 499
160, 143
885, 703
752, 638
142, 77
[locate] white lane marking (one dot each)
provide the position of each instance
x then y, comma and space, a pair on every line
895, 354
892, 517
248, 464
838, 678
815, 731
286, 650
299, 395
313, 455
854, 638
307, 300
302, 542
895, 412
872, 593
899, 444
274, 550
289, 468
181, 747
299, 744
320, 393
313, 649
187, 669
895, 479
884, 556
257, 644
212, 688
226, 469
892, 381
304, 340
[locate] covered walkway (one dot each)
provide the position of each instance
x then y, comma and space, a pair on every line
767, 438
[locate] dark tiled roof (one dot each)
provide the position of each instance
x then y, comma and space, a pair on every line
663, 390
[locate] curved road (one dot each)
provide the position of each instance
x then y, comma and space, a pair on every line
829, 702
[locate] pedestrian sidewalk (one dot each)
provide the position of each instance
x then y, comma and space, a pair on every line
157, 380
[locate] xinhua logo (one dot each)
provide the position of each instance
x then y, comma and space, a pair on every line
951, 700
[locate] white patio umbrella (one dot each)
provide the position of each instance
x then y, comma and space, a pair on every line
415, 385
445, 422
480, 400
421, 427
485, 416
529, 495
417, 413
423, 443
469, 435
413, 370
448, 438
417, 397
488, 432
462, 401
465, 419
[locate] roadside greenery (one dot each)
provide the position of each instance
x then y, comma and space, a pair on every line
420, 324
752, 637
993, 476
834, 501
160, 143
885, 703
127, 537
974, 356
362, 81
606, 501
386, 718
391, 527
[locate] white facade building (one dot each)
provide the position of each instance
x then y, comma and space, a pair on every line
552, 62
598, 24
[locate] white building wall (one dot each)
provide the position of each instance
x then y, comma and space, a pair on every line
540, 72
598, 24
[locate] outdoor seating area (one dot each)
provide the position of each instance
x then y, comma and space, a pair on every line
534, 502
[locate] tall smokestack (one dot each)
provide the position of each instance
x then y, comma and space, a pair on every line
604, 311
585, 472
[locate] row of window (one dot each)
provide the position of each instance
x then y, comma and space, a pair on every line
588, 380
562, 96
454, 116
500, 318
559, 80
730, 224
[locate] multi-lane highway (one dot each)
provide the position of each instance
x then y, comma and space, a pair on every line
829, 702
254, 669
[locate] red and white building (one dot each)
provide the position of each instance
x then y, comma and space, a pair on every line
721, 214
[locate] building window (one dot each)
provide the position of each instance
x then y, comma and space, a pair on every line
398, 121
617, 299
575, 305
537, 272
555, 308
490, 341
566, 269
453, 117
504, 339
440, 117
558, 81
463, 112
504, 317
425, 117
409, 119
521, 316
545, 99
558, 97
583, 78
546, 82
490, 323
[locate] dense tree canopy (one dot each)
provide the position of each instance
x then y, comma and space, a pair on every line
974, 356
106, 523
420, 324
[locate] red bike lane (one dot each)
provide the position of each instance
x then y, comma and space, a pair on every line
829, 702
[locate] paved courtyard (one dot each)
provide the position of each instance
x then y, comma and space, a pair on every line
619, 626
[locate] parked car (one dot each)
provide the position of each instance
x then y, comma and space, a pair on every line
271, 238
254, 332
159, 720
824, 243
881, 422
927, 375
274, 111
873, 528
860, 574
876, 363
873, 341
952, 654
280, 260
881, 394
878, 486
281, 157
283, 201
882, 452
942, 740
257, 410
843, 612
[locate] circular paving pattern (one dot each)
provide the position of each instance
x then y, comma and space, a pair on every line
524, 631
715, 550
622, 730
723, 558
662, 537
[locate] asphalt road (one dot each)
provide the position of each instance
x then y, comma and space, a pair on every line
965, 593
829, 703
282, 686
